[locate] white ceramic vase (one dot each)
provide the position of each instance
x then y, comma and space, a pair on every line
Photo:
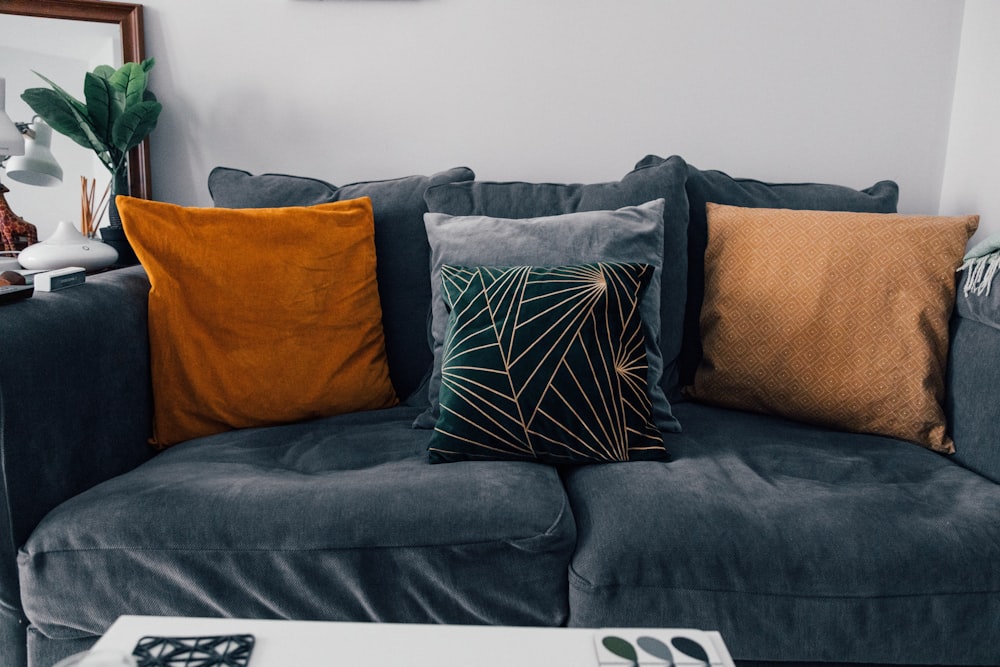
67, 247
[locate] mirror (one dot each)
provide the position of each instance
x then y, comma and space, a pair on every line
64, 39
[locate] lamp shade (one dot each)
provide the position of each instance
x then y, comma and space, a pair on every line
11, 140
37, 166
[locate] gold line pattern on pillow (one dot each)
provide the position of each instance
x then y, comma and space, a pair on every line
545, 364
838, 319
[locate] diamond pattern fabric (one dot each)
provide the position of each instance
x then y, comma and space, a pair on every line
837, 319
545, 364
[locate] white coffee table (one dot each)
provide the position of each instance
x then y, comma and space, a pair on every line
316, 643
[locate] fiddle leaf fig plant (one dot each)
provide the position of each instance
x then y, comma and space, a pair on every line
117, 113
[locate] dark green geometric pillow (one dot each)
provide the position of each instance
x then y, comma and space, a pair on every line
545, 364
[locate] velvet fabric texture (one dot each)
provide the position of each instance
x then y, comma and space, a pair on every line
545, 364
334, 519
52, 447
629, 234
703, 186
663, 180
838, 546
795, 542
974, 380
241, 335
400, 247
834, 318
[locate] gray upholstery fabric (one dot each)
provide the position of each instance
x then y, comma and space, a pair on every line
795, 542
337, 519
12, 638
972, 399
982, 308
643, 184
400, 247
705, 186
45, 652
54, 444
628, 234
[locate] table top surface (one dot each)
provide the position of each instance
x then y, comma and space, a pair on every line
282, 643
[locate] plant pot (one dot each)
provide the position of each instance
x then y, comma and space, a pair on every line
115, 237
114, 234
119, 186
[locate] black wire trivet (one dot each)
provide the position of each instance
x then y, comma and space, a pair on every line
226, 651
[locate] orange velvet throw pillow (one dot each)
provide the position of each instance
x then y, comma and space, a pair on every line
259, 316
837, 319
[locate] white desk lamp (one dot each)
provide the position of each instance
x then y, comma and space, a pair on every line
28, 147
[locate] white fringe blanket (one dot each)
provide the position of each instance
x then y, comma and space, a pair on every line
982, 264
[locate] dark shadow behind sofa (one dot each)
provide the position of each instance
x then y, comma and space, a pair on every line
800, 544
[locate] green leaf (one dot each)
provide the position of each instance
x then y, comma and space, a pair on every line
104, 71
135, 124
104, 104
63, 117
131, 80
147, 64
76, 104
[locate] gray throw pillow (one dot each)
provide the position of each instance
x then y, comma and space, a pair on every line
629, 234
645, 183
401, 248
704, 186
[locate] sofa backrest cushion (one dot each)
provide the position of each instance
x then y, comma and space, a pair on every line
643, 184
243, 336
704, 186
833, 318
400, 246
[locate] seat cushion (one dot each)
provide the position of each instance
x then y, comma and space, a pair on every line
336, 519
797, 543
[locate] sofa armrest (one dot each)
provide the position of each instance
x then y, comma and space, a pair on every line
973, 393
75, 400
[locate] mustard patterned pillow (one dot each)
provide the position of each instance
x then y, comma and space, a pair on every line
833, 318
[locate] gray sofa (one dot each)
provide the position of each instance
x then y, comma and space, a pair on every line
800, 544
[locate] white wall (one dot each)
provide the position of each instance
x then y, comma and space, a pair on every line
846, 91
972, 172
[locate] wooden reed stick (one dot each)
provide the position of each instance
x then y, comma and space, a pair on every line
90, 216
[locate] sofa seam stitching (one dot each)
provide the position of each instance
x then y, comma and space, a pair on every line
591, 587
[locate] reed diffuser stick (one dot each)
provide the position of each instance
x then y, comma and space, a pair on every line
90, 216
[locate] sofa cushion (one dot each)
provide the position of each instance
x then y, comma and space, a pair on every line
336, 519
628, 234
545, 364
243, 336
704, 186
400, 246
834, 318
643, 184
797, 543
